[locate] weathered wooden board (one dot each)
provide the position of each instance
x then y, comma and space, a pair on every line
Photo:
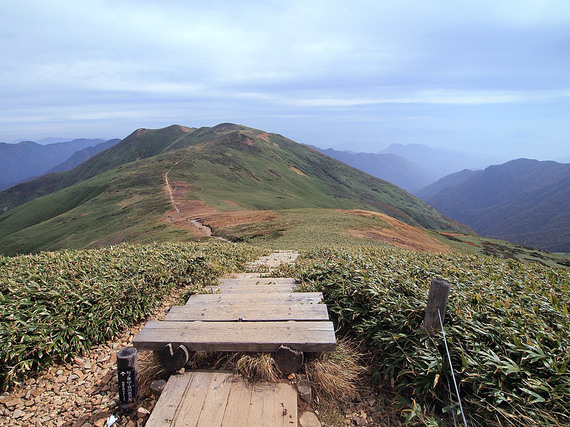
253, 289
238, 336
164, 413
220, 399
259, 281
247, 311
271, 298
245, 276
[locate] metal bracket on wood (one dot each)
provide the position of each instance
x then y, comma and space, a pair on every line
174, 360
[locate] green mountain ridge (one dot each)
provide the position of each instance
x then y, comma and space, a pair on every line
522, 201
120, 195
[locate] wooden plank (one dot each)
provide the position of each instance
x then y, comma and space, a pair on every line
273, 298
285, 405
273, 405
165, 410
212, 412
268, 281
238, 336
261, 411
205, 399
253, 288
237, 409
245, 276
247, 312
189, 408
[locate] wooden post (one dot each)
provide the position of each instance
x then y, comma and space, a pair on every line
437, 298
288, 360
174, 360
128, 373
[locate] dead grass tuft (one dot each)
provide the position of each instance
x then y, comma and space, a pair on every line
150, 369
335, 375
258, 367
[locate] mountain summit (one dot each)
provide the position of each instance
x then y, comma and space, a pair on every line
156, 182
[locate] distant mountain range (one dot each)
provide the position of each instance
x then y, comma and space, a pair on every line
412, 166
442, 162
155, 184
27, 159
521, 201
390, 167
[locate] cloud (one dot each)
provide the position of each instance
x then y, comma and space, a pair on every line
291, 65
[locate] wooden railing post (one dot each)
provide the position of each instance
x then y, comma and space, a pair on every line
128, 373
437, 298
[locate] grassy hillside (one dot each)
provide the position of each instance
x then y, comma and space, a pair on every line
141, 144
226, 168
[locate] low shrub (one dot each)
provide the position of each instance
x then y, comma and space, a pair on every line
54, 305
507, 327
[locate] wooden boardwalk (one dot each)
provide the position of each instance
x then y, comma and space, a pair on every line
250, 314
212, 399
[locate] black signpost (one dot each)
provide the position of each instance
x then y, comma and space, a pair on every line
128, 374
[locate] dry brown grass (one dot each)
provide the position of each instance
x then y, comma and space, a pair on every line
258, 367
150, 369
334, 376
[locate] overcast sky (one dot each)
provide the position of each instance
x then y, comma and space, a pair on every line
488, 76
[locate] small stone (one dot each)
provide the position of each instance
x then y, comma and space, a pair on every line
157, 387
359, 421
291, 377
79, 361
309, 419
371, 401
142, 412
305, 392
13, 402
80, 422
17, 414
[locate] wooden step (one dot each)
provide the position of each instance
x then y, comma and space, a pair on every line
259, 299
259, 281
213, 399
248, 311
267, 337
250, 285
251, 289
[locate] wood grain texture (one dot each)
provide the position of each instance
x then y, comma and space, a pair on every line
248, 312
173, 394
267, 281
252, 289
238, 336
303, 297
211, 399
